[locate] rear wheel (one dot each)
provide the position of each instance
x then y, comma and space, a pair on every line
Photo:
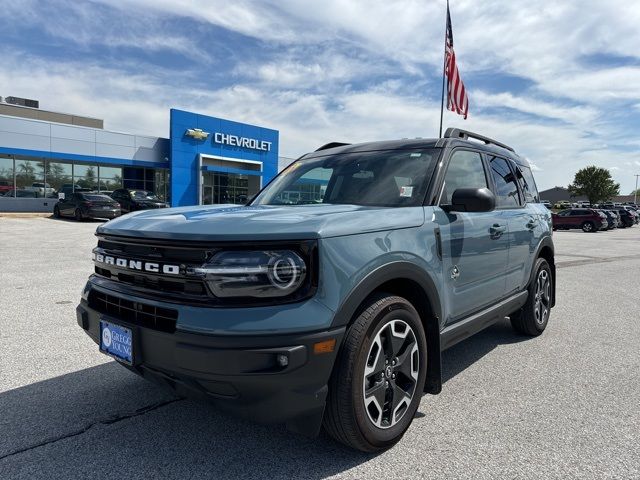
588, 227
532, 319
377, 382
56, 212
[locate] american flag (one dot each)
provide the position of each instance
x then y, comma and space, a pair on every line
457, 100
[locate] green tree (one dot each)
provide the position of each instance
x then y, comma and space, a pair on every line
595, 183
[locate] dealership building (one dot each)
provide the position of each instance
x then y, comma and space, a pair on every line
205, 160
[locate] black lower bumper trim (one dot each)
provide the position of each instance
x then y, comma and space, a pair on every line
246, 375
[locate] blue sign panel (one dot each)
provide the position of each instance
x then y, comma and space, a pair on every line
116, 341
193, 134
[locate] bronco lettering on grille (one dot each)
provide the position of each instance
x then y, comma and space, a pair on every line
138, 265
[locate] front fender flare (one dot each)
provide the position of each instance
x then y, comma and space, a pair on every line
402, 270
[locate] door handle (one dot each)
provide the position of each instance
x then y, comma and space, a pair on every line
497, 230
531, 224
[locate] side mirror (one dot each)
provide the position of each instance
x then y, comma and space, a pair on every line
471, 200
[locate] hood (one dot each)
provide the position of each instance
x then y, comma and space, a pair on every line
264, 222
149, 202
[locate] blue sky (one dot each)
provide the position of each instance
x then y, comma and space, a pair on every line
560, 81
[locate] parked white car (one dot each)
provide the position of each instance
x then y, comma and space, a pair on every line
41, 189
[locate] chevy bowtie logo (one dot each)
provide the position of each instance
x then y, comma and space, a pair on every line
197, 133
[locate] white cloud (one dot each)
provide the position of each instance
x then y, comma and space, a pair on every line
358, 70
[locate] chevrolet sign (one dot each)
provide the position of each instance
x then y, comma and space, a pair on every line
197, 133
138, 265
244, 142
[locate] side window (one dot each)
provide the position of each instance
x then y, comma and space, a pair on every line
528, 184
465, 170
505, 183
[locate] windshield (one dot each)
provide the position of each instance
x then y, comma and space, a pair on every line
143, 195
390, 178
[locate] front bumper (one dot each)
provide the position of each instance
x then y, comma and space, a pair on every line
239, 373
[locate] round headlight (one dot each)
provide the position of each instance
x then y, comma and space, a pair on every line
284, 271
258, 274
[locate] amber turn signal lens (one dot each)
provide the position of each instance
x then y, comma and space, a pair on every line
325, 346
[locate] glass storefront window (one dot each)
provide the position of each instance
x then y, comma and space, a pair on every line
160, 184
59, 176
40, 178
110, 178
6, 175
30, 178
219, 187
85, 176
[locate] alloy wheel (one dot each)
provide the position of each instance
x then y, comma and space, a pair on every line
391, 374
541, 305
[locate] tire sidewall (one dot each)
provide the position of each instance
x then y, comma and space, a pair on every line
587, 227
378, 437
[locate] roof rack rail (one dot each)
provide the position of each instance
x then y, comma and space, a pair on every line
326, 146
465, 134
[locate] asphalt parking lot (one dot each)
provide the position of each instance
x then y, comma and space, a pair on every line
563, 405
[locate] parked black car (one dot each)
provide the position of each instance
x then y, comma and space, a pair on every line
612, 218
131, 200
86, 205
626, 218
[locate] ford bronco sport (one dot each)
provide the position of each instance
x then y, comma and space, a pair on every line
327, 300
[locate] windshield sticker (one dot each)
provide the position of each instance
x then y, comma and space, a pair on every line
406, 191
415, 155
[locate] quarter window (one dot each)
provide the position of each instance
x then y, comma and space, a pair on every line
505, 183
528, 184
465, 170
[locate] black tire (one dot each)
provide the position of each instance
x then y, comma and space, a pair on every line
368, 343
588, 227
78, 215
533, 317
56, 212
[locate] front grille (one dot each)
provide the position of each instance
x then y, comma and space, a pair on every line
138, 313
175, 287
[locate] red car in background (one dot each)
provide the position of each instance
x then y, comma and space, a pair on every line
5, 187
587, 219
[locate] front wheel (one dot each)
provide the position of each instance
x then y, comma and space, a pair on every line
532, 319
377, 383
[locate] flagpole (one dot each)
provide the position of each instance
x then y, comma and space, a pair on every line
444, 70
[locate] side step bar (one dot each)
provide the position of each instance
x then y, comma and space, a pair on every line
471, 325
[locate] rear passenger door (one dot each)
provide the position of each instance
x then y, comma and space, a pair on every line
516, 199
577, 217
474, 244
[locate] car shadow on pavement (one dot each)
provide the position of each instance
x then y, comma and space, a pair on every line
105, 419
73, 220
457, 358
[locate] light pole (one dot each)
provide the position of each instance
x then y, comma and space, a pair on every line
635, 192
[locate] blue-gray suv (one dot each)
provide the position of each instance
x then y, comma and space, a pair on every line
327, 300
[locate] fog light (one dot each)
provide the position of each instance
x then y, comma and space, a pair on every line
282, 360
